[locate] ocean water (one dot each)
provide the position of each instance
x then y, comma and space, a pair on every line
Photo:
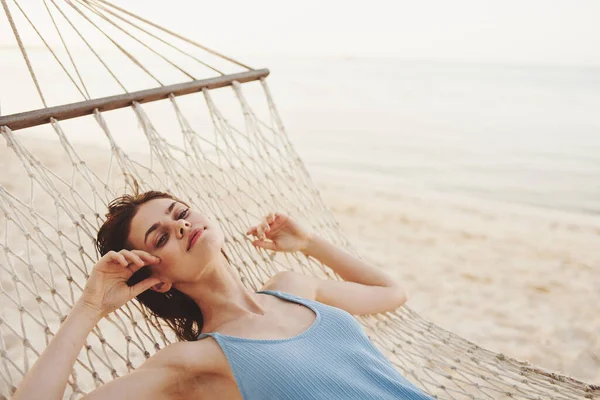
519, 134
522, 134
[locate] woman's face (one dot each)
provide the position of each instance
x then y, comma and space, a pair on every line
184, 240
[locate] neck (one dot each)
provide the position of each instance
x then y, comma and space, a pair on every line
221, 295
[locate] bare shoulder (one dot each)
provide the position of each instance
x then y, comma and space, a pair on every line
179, 371
352, 297
200, 369
200, 357
295, 283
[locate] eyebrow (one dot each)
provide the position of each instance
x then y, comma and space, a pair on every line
156, 225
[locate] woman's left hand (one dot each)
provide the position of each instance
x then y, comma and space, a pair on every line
280, 232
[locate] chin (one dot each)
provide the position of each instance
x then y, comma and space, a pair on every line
215, 239
209, 244
208, 247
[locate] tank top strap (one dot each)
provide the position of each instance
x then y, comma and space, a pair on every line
277, 293
282, 295
293, 298
203, 335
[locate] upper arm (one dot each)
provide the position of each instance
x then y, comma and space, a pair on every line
172, 373
355, 298
147, 383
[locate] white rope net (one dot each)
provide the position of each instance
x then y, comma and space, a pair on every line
229, 160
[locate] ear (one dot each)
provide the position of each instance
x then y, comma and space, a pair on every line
162, 287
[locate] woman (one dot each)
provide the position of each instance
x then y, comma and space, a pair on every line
293, 339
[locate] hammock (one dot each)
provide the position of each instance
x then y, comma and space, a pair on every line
235, 166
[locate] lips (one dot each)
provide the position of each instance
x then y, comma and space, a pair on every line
194, 235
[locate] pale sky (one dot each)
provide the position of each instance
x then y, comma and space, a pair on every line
505, 31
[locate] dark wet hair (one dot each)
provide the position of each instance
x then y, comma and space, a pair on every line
178, 310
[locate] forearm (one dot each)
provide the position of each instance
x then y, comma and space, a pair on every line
350, 268
48, 377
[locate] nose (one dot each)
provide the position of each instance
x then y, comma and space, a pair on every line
182, 227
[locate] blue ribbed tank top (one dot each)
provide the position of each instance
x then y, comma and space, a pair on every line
333, 359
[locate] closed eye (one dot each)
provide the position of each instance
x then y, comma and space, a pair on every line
184, 213
165, 236
162, 240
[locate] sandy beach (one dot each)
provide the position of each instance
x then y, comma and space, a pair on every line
522, 282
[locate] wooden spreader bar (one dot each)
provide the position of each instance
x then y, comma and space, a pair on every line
74, 110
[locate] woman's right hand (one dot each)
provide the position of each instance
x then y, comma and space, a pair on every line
106, 289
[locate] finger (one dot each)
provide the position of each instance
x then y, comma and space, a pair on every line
277, 220
132, 257
144, 285
263, 244
259, 230
270, 218
147, 257
135, 268
119, 258
263, 228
